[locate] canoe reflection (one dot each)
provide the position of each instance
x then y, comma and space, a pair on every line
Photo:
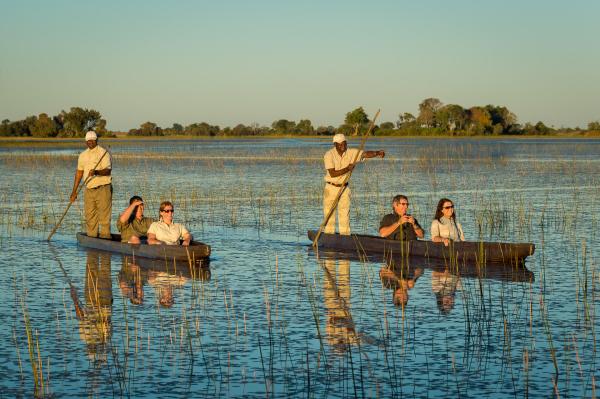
95, 325
400, 280
509, 273
164, 277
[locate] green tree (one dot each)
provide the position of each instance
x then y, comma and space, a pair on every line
595, 126
44, 127
451, 117
79, 120
427, 111
305, 127
404, 119
357, 117
283, 126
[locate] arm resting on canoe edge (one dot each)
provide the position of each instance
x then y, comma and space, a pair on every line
186, 239
387, 230
152, 239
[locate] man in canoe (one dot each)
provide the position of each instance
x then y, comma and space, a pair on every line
399, 225
339, 161
132, 223
95, 164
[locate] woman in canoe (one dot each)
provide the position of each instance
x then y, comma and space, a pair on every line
165, 231
444, 227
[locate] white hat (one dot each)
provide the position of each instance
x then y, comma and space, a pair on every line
339, 138
91, 135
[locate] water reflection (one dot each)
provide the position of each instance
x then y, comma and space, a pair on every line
164, 277
400, 280
95, 327
340, 330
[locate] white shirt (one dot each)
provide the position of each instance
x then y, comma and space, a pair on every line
88, 159
169, 234
333, 160
447, 229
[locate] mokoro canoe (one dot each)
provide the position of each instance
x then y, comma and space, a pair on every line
465, 251
195, 251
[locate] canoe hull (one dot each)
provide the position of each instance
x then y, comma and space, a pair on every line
195, 251
480, 252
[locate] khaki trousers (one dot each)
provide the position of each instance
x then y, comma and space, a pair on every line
97, 207
343, 209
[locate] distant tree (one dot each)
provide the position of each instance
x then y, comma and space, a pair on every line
427, 111
44, 127
595, 126
541, 128
177, 128
451, 117
404, 119
387, 125
283, 126
326, 130
480, 120
79, 120
305, 127
357, 116
202, 129
241, 130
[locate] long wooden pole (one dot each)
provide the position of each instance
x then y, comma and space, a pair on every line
71, 202
79, 312
343, 187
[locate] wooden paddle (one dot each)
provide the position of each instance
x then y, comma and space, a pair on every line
71, 202
343, 187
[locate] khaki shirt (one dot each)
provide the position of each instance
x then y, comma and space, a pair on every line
333, 160
88, 160
138, 228
169, 234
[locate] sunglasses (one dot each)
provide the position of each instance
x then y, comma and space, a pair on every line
449, 207
403, 203
168, 210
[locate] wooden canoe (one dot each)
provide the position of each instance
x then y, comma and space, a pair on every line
196, 251
465, 251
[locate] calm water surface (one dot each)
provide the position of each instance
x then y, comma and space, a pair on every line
270, 317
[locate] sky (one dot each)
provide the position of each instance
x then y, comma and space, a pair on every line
258, 61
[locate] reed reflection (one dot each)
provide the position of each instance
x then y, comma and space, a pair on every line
95, 324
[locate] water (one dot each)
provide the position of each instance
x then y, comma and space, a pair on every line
268, 316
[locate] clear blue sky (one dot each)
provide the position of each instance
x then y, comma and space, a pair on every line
234, 62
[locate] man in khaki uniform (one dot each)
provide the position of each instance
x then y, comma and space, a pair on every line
97, 201
338, 163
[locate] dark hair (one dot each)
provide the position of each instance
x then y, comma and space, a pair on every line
135, 198
131, 201
440, 206
399, 197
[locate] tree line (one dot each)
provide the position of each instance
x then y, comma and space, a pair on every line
434, 118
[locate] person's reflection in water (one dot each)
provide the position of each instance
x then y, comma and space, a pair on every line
340, 328
131, 281
164, 285
95, 327
401, 280
444, 285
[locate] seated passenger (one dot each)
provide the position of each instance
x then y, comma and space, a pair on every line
399, 225
132, 224
165, 231
444, 227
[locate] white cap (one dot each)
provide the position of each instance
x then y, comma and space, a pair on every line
91, 135
339, 138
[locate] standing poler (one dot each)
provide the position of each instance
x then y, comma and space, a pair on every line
338, 163
95, 164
